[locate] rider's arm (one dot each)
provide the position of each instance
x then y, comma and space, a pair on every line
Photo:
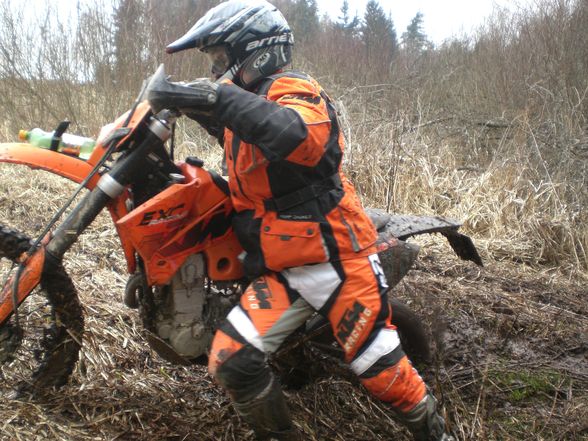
290, 124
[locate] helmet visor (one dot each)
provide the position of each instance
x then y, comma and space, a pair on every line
219, 59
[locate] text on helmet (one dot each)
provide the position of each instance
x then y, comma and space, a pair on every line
269, 41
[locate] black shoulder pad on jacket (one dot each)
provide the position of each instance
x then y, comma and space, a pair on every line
277, 130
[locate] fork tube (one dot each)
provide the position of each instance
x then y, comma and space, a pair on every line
77, 221
109, 187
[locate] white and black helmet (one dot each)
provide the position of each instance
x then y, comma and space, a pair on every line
249, 39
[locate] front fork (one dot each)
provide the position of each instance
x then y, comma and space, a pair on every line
109, 187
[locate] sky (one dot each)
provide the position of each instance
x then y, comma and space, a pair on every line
442, 19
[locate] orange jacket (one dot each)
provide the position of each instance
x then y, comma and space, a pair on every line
283, 150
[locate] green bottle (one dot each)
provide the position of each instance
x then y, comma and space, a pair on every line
72, 145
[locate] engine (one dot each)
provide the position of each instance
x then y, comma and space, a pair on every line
183, 315
179, 310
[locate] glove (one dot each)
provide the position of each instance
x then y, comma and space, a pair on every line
197, 96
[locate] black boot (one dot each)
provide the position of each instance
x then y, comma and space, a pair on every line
424, 421
268, 415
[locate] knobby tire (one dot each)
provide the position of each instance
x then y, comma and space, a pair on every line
49, 348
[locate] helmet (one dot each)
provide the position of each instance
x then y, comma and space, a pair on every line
245, 39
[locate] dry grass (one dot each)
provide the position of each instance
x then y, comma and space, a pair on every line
508, 198
491, 131
510, 354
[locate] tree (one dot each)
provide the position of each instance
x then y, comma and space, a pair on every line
379, 35
344, 18
347, 25
304, 19
130, 41
414, 40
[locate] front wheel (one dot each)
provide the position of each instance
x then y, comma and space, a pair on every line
42, 352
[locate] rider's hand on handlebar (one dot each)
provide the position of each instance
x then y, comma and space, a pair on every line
195, 97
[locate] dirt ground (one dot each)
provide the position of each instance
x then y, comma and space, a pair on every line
510, 354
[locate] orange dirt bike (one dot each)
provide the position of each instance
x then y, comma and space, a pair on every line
174, 224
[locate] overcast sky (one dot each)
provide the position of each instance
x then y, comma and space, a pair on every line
442, 18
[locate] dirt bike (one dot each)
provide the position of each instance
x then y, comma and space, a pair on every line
173, 219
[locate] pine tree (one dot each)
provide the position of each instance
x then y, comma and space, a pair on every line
304, 19
414, 40
129, 37
349, 26
378, 33
344, 18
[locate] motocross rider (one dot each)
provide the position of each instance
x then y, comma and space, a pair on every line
309, 244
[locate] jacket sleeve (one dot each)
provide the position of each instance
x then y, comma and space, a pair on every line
284, 126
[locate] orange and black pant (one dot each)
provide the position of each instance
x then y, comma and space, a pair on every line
352, 295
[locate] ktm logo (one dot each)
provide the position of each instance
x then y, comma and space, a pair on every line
259, 298
352, 324
158, 216
268, 41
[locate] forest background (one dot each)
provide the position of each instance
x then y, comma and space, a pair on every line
490, 129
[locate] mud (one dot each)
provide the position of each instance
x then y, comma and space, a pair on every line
510, 358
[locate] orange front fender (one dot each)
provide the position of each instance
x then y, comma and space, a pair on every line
69, 167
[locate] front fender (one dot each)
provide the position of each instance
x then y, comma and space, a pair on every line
74, 169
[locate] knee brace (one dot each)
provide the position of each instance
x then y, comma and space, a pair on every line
245, 374
256, 394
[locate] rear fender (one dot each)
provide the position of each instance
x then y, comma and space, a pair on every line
29, 278
396, 257
405, 226
71, 168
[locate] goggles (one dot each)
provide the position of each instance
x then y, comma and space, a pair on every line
219, 59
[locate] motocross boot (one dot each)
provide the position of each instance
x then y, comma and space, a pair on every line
268, 415
424, 421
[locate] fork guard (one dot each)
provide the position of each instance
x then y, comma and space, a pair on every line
29, 278
71, 168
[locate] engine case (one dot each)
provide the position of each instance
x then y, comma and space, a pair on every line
180, 306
